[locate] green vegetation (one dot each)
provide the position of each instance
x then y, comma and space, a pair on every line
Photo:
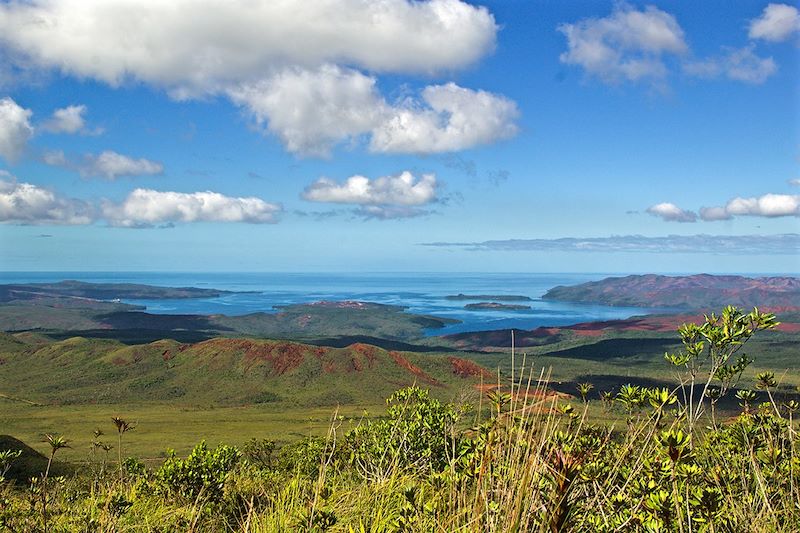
218, 372
701, 291
79, 290
323, 322
521, 458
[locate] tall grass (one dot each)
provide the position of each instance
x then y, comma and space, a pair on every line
523, 459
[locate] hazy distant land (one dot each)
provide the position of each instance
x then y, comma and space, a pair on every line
495, 306
702, 291
492, 297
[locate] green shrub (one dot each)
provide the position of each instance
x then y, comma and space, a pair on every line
201, 474
419, 432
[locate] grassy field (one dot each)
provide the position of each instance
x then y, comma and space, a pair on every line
161, 426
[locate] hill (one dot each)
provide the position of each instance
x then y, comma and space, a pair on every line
101, 291
702, 291
30, 463
219, 371
329, 320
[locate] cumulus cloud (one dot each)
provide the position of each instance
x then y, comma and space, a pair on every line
627, 45
26, 203
776, 23
297, 68
403, 189
672, 213
195, 47
448, 118
768, 205
386, 197
15, 129
66, 120
739, 64
781, 244
711, 214
146, 207
313, 110
108, 164
111, 165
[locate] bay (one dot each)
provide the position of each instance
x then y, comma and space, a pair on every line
420, 293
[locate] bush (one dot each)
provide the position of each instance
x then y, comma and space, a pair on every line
201, 474
419, 433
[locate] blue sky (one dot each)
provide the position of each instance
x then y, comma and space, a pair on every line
427, 136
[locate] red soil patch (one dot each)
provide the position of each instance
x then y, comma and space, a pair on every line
789, 327
321, 351
167, 355
467, 369
119, 361
589, 332
544, 332
370, 353
417, 371
281, 356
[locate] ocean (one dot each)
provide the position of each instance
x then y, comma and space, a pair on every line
421, 293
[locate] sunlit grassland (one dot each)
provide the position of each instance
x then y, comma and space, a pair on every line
162, 426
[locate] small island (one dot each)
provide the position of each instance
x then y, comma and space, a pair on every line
490, 297
495, 306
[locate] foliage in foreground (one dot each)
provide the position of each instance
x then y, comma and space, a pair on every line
526, 461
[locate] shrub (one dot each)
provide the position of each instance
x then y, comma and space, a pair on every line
201, 474
418, 432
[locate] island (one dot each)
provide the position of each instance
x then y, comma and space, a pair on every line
495, 306
71, 308
491, 297
701, 291
102, 291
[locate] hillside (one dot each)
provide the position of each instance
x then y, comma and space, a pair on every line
101, 291
636, 328
702, 291
220, 371
332, 321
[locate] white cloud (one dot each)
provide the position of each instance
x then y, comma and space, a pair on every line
768, 205
111, 165
196, 47
402, 190
312, 111
294, 66
449, 118
384, 198
29, 204
626, 45
710, 214
146, 207
776, 23
15, 129
672, 213
795, 182
740, 64
66, 120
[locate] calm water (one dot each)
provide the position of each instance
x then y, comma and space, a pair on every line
419, 293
